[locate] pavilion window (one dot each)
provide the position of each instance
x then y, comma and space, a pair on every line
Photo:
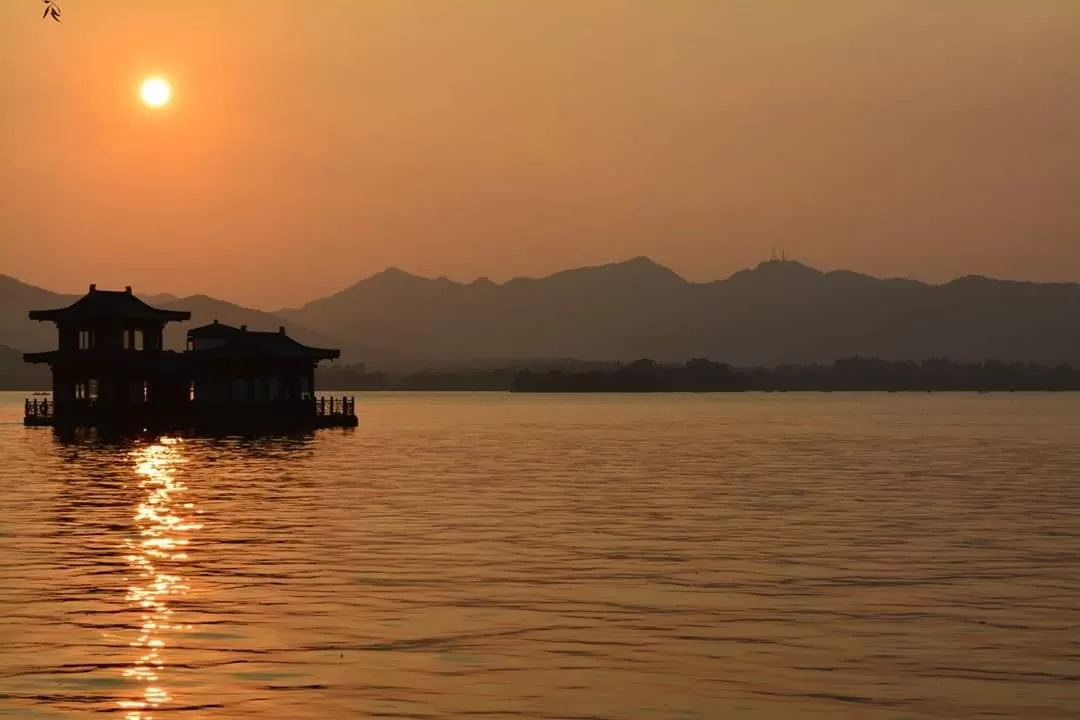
191, 391
92, 390
305, 389
86, 339
146, 391
137, 340
81, 390
127, 339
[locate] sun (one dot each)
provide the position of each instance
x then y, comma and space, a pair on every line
155, 92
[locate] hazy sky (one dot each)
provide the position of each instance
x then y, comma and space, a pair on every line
312, 143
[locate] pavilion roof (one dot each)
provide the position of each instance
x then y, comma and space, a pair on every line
241, 342
102, 304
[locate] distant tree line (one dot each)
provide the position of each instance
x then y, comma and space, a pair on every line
852, 374
356, 377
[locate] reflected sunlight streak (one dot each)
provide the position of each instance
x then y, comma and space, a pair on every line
156, 555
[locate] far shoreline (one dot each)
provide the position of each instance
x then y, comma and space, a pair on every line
698, 376
41, 392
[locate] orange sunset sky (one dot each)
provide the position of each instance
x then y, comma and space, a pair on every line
310, 144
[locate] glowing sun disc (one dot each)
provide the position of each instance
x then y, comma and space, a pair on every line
155, 92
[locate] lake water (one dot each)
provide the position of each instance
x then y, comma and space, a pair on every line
501, 556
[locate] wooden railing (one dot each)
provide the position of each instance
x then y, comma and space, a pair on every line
38, 409
335, 406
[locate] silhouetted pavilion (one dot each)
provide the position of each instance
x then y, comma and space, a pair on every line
110, 368
236, 370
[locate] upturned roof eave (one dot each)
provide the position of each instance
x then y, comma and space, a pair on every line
73, 313
313, 354
39, 357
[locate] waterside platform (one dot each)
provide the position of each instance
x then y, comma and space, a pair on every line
315, 413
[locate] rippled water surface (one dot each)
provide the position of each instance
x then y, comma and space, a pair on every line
497, 556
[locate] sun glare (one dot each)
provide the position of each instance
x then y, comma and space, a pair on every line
155, 92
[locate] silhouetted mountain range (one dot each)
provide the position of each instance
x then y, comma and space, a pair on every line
17, 375
779, 312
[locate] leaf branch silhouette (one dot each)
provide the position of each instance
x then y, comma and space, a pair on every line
51, 10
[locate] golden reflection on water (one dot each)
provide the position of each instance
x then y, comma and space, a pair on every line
529, 557
157, 554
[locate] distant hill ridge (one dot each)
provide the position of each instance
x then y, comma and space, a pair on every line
779, 312
17, 375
